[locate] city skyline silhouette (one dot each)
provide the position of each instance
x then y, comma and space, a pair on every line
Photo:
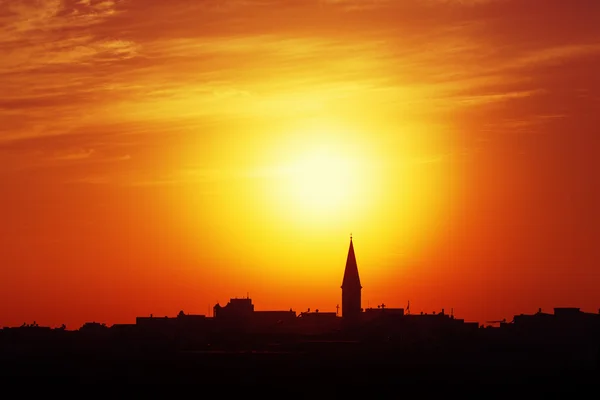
241, 344
351, 313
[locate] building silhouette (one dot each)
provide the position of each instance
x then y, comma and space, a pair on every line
272, 341
351, 288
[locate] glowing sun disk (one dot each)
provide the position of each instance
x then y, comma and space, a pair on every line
321, 180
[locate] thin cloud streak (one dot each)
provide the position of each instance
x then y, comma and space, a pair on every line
110, 75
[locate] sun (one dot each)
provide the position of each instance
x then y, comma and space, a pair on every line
321, 181
323, 175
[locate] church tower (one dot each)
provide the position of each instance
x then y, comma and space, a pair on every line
351, 288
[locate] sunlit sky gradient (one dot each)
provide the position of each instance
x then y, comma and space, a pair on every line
158, 156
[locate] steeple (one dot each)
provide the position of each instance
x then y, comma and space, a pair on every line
351, 287
351, 278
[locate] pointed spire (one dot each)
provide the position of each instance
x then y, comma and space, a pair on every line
351, 277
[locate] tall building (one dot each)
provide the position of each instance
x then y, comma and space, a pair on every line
351, 288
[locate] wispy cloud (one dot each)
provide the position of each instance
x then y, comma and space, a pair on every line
76, 66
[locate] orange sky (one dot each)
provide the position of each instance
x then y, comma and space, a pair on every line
158, 156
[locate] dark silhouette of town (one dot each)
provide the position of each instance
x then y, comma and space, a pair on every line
374, 345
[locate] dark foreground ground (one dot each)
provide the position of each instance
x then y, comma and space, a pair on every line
299, 369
